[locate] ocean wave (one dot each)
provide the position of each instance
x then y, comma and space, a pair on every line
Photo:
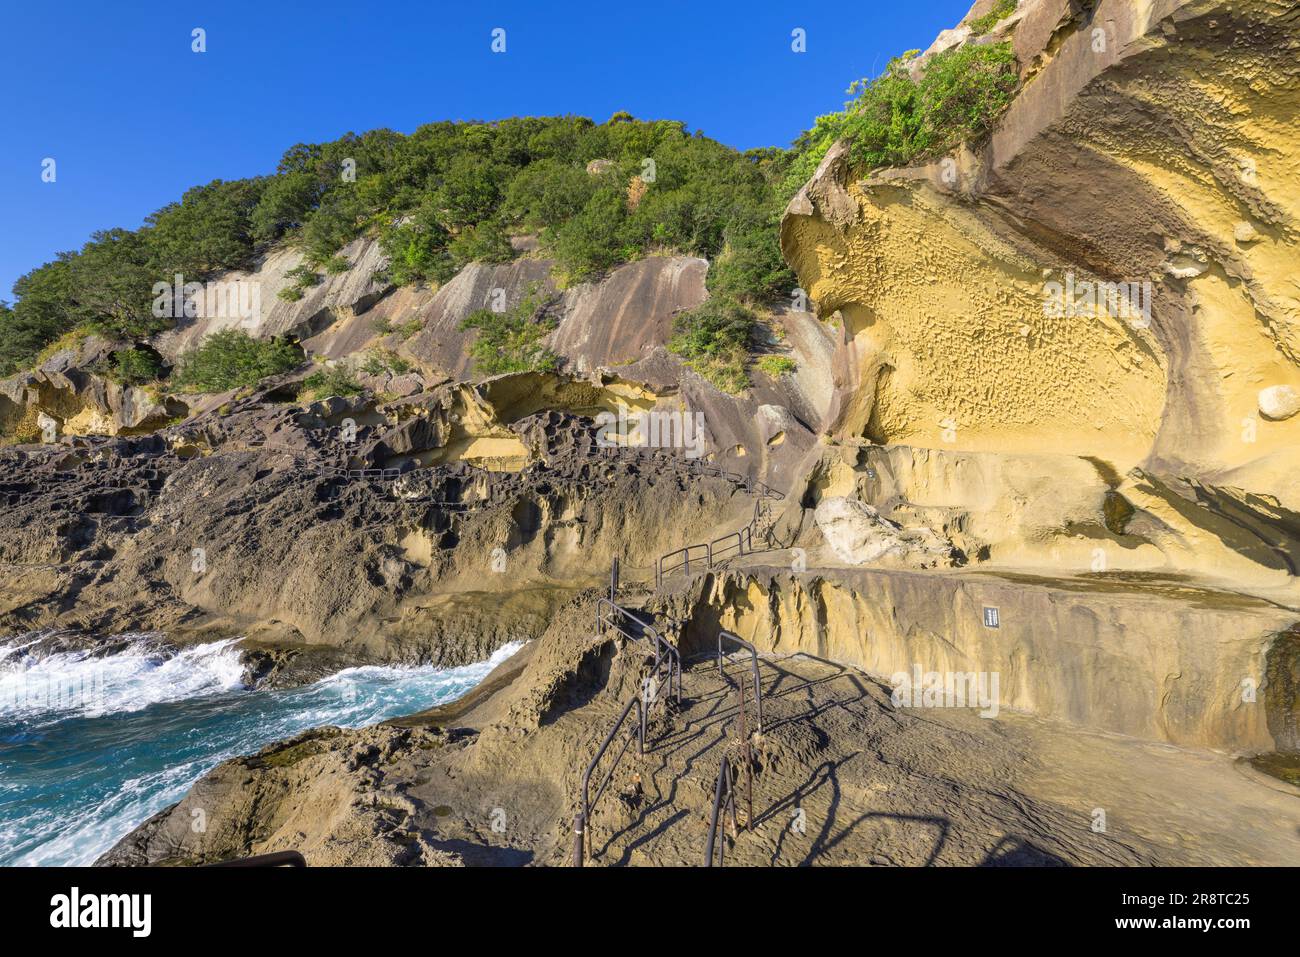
84, 684
73, 782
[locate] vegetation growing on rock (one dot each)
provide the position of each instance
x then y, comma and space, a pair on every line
379, 360
232, 358
134, 366
897, 120
511, 340
451, 193
332, 380
446, 195
776, 366
714, 340
1001, 10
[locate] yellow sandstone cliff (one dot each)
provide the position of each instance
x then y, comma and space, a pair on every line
1076, 347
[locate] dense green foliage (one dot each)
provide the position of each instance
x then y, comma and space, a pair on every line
894, 120
133, 366
714, 339
511, 340
232, 358
446, 195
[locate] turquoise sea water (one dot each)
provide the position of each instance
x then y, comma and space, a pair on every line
89, 748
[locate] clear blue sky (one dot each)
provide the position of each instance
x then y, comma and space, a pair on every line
111, 90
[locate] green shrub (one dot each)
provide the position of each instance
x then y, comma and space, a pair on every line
963, 91
337, 264
291, 293
776, 366
1001, 10
332, 380
486, 242
403, 330
379, 360
232, 358
211, 228
592, 241
750, 267
511, 340
896, 121
416, 248
547, 193
714, 340
304, 276
133, 366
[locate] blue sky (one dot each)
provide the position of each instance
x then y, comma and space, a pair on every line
113, 93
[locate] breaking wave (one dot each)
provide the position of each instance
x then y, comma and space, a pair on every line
90, 746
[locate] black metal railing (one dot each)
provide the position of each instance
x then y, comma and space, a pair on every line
724, 796
680, 560
582, 824
667, 670
729, 779
735, 544
753, 661
275, 859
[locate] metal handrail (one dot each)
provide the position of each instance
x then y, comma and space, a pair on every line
275, 859
727, 786
662, 569
743, 537
753, 659
744, 545
666, 654
584, 816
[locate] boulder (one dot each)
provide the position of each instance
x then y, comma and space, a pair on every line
855, 531
1278, 402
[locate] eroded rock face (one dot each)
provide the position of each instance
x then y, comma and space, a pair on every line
453, 559
858, 535
64, 395
261, 311
935, 786
1161, 662
963, 285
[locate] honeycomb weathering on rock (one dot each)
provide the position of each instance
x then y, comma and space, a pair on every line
1150, 143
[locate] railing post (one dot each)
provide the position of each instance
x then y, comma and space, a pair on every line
613, 580
749, 768
712, 838
578, 851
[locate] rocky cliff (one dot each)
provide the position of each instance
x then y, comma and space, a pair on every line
1042, 426
1080, 336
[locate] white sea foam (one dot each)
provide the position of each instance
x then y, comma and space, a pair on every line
78, 683
74, 781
